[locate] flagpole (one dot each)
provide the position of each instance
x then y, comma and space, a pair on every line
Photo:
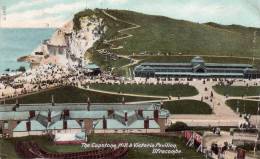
257, 113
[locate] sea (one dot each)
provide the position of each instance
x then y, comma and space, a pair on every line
15, 43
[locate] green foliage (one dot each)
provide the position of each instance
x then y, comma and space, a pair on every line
178, 126
76, 19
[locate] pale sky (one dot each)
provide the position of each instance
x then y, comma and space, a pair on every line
40, 13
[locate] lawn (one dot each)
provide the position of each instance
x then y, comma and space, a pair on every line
8, 148
146, 89
249, 107
237, 90
187, 107
75, 95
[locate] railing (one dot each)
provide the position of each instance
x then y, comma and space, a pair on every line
30, 150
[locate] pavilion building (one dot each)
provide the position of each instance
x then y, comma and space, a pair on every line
197, 68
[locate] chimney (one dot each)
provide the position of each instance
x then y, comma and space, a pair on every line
52, 100
65, 126
66, 112
146, 123
28, 125
126, 119
156, 114
161, 103
88, 101
32, 113
49, 116
140, 112
104, 123
17, 103
123, 100
110, 112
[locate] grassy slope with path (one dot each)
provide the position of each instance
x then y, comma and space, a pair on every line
173, 36
243, 105
187, 107
75, 95
46, 144
237, 90
155, 90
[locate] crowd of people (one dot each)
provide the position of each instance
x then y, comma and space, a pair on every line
49, 76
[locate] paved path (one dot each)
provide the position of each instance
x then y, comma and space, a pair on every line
205, 55
135, 26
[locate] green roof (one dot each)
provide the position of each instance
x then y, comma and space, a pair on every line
35, 126
71, 124
88, 114
111, 124
199, 74
14, 115
115, 124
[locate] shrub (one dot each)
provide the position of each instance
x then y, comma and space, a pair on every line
178, 126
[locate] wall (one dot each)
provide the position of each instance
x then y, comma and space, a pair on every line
127, 131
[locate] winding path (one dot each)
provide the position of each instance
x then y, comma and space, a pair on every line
135, 26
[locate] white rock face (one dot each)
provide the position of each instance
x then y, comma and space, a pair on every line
85, 38
67, 47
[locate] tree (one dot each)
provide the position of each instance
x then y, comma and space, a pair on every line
178, 126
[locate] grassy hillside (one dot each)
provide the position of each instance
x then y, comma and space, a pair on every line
162, 39
163, 34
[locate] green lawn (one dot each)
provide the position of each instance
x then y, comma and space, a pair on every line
7, 145
75, 95
187, 107
145, 89
249, 107
237, 90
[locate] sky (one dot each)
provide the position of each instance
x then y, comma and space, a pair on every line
54, 13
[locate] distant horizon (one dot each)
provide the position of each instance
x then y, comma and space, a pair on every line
39, 13
54, 27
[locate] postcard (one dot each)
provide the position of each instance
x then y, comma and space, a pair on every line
114, 79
